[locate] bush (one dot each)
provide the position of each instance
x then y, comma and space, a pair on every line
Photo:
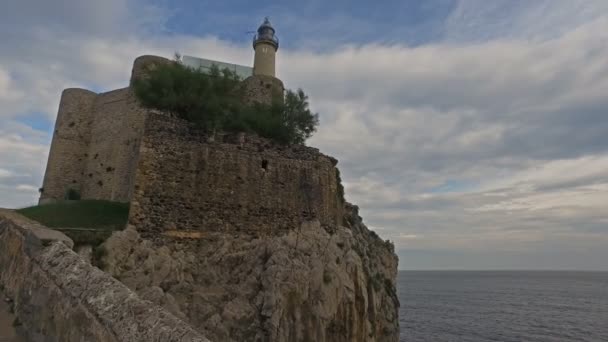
214, 101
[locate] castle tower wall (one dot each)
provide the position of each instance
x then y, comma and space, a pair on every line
69, 147
264, 59
263, 89
189, 185
143, 64
95, 145
116, 132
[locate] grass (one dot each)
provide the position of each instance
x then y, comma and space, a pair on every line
85, 222
94, 214
80, 214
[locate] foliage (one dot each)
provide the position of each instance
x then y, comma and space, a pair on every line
178, 89
214, 101
95, 214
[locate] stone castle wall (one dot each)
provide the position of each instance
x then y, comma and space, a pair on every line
106, 146
95, 145
263, 89
187, 184
69, 147
96, 142
114, 144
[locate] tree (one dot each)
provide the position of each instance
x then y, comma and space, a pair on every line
214, 101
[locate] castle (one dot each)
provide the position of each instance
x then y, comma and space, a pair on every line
182, 182
230, 236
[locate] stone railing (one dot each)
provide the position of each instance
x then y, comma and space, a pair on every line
58, 296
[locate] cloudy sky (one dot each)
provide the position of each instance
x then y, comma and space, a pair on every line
472, 133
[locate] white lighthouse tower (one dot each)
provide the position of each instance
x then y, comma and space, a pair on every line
265, 44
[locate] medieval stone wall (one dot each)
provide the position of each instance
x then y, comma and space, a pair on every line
115, 135
70, 144
188, 183
262, 88
95, 145
143, 64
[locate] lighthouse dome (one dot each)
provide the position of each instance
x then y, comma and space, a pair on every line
266, 34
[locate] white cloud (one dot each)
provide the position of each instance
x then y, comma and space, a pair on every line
531, 20
520, 120
27, 188
5, 173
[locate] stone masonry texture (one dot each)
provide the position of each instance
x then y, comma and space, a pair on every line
244, 238
189, 181
59, 297
95, 145
263, 89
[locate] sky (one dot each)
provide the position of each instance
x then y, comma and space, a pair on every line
471, 133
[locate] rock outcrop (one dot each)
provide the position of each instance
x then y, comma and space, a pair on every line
57, 296
312, 283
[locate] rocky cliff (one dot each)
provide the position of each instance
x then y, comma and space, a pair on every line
312, 283
57, 296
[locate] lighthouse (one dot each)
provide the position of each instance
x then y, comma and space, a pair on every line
265, 45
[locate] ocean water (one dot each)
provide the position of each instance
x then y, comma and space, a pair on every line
439, 306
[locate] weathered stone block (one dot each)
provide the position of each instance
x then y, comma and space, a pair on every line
187, 182
60, 297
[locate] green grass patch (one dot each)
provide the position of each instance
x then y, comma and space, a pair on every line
86, 222
94, 214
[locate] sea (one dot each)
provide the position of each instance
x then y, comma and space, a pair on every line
476, 306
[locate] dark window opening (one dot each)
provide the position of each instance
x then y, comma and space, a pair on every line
265, 164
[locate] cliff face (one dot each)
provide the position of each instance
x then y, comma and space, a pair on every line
57, 296
312, 283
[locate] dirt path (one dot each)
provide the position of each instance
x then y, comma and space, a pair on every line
7, 332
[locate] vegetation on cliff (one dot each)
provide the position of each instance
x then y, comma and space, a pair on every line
79, 214
214, 101
85, 222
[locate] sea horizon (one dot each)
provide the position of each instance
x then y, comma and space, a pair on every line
503, 305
